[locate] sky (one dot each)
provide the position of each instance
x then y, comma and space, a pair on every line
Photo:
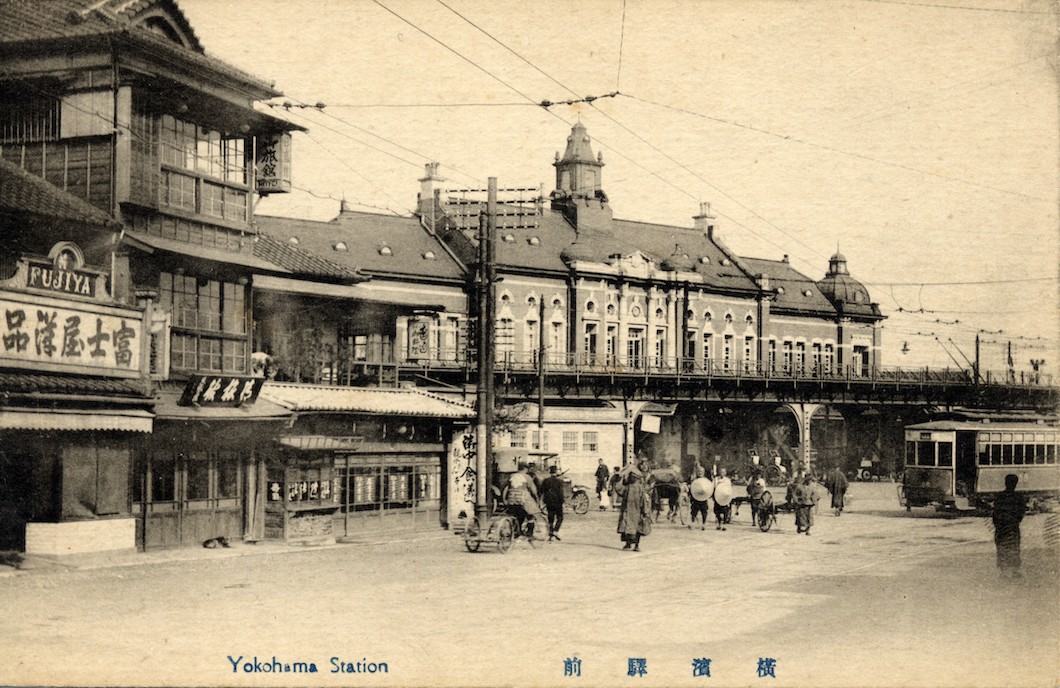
920, 139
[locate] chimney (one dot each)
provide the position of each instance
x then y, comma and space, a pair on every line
425, 199
785, 260
705, 221
763, 282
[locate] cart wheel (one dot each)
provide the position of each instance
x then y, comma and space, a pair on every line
866, 475
505, 532
765, 519
580, 503
472, 534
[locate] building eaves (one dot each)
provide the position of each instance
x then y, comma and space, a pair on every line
300, 261
23, 192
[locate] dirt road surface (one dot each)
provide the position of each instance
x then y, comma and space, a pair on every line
876, 597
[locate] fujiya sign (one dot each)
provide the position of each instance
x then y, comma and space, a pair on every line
51, 331
66, 273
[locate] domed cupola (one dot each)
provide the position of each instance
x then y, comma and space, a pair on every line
845, 292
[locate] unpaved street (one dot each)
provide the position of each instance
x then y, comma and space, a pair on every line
877, 597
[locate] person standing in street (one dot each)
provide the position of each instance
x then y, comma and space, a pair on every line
602, 476
634, 519
805, 499
1009, 508
552, 496
836, 483
612, 488
722, 498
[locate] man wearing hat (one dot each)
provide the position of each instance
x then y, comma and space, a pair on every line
552, 496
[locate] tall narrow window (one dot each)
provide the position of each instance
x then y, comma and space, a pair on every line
591, 345
635, 347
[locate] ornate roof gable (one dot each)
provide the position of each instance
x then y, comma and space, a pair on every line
160, 17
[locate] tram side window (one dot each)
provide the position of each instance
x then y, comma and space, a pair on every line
1039, 453
1006, 454
925, 453
995, 454
945, 453
1050, 453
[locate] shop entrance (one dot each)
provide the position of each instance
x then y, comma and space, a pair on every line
388, 492
185, 498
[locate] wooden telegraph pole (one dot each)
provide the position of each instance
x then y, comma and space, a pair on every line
486, 304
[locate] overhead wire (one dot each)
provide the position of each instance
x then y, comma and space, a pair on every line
859, 156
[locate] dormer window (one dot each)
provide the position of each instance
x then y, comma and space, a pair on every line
386, 251
726, 262
428, 255
293, 241
705, 260
340, 246
534, 241
509, 238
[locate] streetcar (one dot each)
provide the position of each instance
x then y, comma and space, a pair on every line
961, 465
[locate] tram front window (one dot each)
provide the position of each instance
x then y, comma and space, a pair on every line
925, 453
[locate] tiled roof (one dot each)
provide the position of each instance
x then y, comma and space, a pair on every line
799, 291
299, 260
34, 20
23, 192
34, 383
375, 401
28, 21
375, 244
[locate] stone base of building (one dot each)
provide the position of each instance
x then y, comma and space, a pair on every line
81, 537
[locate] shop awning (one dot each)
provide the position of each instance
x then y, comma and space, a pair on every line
374, 401
130, 420
167, 408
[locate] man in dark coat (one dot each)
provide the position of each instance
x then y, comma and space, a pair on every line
634, 520
602, 475
836, 483
1009, 508
552, 496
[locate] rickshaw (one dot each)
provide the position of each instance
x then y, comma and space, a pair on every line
502, 526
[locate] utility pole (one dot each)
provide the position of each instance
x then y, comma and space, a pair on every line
977, 378
541, 350
484, 428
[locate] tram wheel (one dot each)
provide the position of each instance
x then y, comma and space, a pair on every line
580, 503
472, 534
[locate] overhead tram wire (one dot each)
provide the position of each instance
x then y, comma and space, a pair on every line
621, 45
359, 174
320, 109
590, 100
835, 150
